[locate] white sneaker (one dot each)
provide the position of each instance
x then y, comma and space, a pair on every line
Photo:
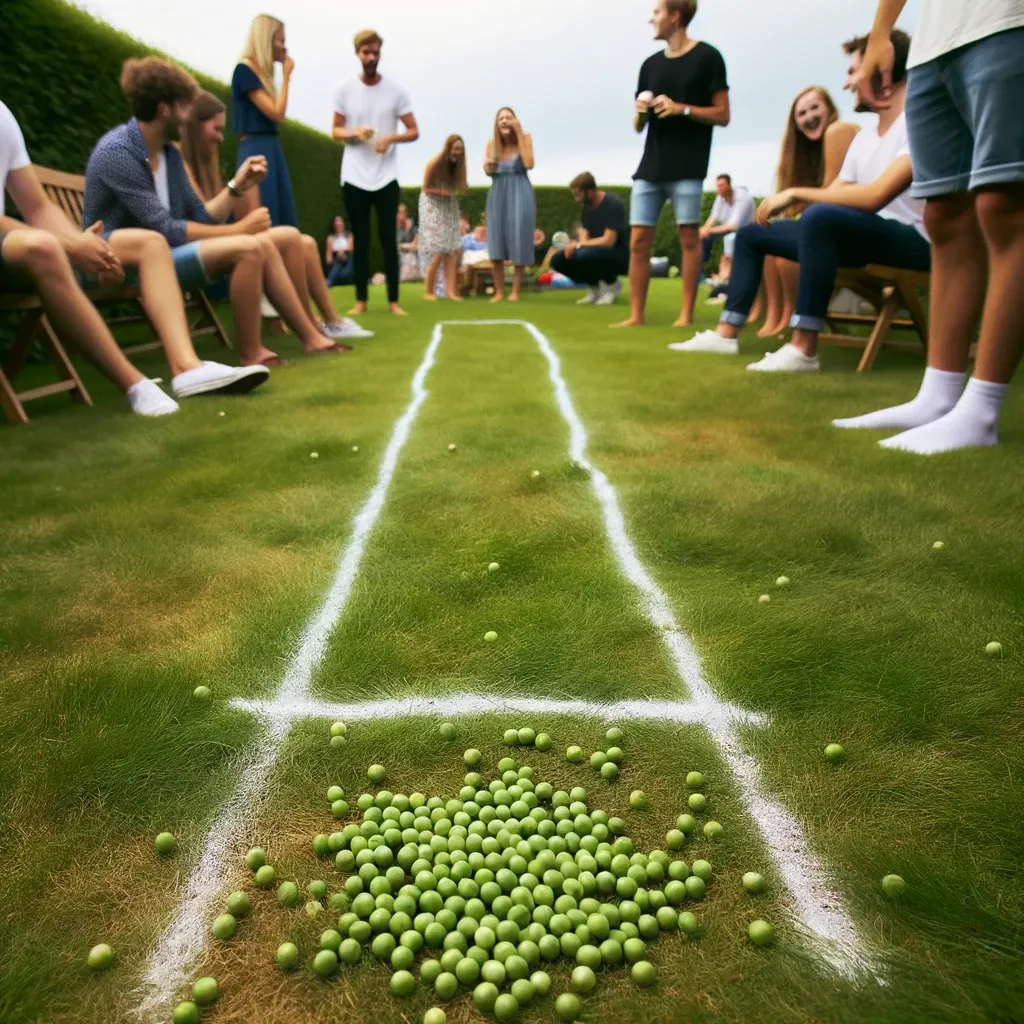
788, 359
590, 299
267, 311
708, 341
218, 379
608, 293
345, 328
146, 399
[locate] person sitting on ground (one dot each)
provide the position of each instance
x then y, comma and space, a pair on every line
600, 255
814, 147
866, 216
338, 255
200, 146
46, 251
733, 209
136, 177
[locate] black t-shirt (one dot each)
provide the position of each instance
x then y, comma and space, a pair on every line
609, 213
679, 148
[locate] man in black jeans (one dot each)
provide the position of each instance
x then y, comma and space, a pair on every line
601, 254
367, 113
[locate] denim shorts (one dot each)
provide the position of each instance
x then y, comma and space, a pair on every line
965, 117
649, 197
188, 266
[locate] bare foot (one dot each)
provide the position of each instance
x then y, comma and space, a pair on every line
683, 321
358, 309
428, 297
322, 344
631, 322
497, 298
514, 297
455, 298
769, 330
396, 309
263, 357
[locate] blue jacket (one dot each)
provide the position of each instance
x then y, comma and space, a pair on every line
121, 192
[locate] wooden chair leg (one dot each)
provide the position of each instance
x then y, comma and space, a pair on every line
908, 295
9, 402
22, 344
65, 368
880, 333
206, 307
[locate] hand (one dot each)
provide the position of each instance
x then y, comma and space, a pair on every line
874, 79
383, 144
287, 67
705, 232
516, 126
365, 133
774, 205
642, 107
490, 167
570, 249
92, 254
110, 278
664, 107
255, 222
252, 172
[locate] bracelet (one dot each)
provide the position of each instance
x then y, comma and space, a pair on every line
233, 188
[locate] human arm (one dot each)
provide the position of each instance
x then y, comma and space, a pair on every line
875, 75
525, 143
411, 134
870, 198
329, 250
838, 137
340, 131
274, 110
717, 114
490, 164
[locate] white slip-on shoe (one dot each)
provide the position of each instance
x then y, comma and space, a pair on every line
609, 293
708, 341
590, 299
345, 328
146, 399
218, 379
788, 359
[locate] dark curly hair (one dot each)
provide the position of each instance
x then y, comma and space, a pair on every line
150, 81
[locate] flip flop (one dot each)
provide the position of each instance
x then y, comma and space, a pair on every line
270, 362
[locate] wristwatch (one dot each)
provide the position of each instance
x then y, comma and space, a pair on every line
686, 111
233, 188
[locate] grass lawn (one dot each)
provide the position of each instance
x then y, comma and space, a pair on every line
141, 559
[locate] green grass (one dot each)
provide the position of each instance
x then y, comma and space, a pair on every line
138, 560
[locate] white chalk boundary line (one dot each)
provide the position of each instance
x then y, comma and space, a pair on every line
818, 908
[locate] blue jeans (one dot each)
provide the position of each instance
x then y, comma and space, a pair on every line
592, 265
341, 273
825, 239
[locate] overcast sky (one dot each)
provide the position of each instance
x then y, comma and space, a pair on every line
568, 67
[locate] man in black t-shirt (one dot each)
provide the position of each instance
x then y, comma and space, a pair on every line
601, 254
681, 95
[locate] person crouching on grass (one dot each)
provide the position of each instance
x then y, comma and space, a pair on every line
440, 241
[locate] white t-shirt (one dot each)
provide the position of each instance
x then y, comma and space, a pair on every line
739, 212
946, 25
339, 243
869, 155
163, 191
13, 154
380, 106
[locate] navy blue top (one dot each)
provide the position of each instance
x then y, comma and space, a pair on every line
245, 118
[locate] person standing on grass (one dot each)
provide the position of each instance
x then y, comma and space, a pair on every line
49, 255
200, 146
866, 216
600, 255
964, 117
443, 182
682, 94
367, 112
511, 206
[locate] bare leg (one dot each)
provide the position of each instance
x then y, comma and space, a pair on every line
773, 291
451, 276
288, 244
317, 283
277, 282
789, 274
430, 277
498, 273
757, 310
71, 313
161, 294
640, 243
517, 283
689, 240
806, 341
243, 257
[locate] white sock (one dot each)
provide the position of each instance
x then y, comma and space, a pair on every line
939, 392
971, 423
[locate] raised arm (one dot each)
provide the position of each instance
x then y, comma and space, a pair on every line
490, 163
875, 75
525, 146
275, 110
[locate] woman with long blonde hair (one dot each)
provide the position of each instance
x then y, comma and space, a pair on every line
200, 145
813, 150
511, 206
440, 242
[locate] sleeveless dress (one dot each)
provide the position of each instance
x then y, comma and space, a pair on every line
439, 224
511, 214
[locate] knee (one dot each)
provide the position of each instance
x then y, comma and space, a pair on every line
946, 219
153, 245
641, 243
253, 248
309, 246
818, 218
1000, 214
689, 239
44, 255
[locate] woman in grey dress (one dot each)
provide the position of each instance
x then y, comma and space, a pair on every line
511, 208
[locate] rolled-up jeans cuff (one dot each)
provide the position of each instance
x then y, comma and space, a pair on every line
733, 318
802, 322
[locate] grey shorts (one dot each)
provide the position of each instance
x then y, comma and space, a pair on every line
965, 117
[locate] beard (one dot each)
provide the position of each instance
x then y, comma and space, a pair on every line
862, 107
172, 130
370, 68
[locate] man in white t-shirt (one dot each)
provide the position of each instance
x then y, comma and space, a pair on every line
865, 216
368, 110
964, 103
733, 209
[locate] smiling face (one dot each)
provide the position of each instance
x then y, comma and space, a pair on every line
663, 21
504, 122
457, 152
280, 48
811, 114
212, 130
339, 225
862, 105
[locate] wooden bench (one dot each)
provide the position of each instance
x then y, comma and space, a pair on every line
889, 290
68, 192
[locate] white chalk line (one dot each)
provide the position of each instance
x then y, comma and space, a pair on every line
182, 942
819, 909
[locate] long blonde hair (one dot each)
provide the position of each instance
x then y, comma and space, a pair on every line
440, 171
259, 49
203, 160
802, 161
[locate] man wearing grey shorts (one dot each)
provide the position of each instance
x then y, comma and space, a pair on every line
681, 95
964, 101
